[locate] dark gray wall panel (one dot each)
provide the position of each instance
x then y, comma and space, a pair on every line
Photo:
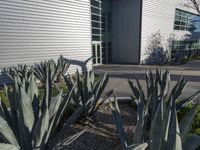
126, 31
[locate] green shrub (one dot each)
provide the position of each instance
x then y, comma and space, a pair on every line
196, 123
184, 60
4, 98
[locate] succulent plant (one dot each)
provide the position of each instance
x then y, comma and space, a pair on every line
88, 91
157, 115
165, 132
119, 124
23, 73
55, 69
30, 121
157, 87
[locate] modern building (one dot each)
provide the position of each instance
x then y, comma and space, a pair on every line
132, 29
112, 31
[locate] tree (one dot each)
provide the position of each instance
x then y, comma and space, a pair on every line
155, 50
195, 4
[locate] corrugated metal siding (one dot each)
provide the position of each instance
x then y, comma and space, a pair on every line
159, 16
156, 16
126, 30
34, 30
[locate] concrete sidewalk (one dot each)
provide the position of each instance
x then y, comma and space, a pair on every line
190, 66
119, 74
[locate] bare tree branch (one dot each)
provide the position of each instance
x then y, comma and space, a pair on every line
195, 4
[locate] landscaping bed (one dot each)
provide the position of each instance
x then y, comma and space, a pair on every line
73, 114
102, 132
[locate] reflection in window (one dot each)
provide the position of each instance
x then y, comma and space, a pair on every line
186, 21
186, 45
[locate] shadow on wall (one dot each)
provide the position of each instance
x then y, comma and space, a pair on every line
156, 51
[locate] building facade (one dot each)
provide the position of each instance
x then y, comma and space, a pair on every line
112, 31
131, 30
36, 30
177, 24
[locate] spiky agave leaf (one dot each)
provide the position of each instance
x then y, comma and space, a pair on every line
174, 140
63, 65
160, 110
7, 133
156, 133
87, 92
52, 114
27, 110
63, 106
40, 131
181, 103
33, 89
119, 122
138, 146
4, 146
186, 123
62, 144
42, 69
192, 142
139, 130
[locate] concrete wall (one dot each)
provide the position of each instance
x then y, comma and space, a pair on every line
34, 30
126, 31
159, 16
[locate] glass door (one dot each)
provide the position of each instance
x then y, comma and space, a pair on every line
97, 52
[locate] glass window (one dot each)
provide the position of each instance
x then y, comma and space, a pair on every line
95, 3
95, 10
95, 18
186, 21
95, 24
101, 16
185, 45
95, 31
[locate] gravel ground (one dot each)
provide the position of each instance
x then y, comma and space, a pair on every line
102, 133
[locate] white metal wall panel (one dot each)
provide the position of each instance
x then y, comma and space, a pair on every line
158, 15
35, 30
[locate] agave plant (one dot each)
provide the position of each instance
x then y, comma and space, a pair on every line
165, 132
63, 65
30, 121
159, 86
119, 124
88, 91
23, 73
55, 69
156, 114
